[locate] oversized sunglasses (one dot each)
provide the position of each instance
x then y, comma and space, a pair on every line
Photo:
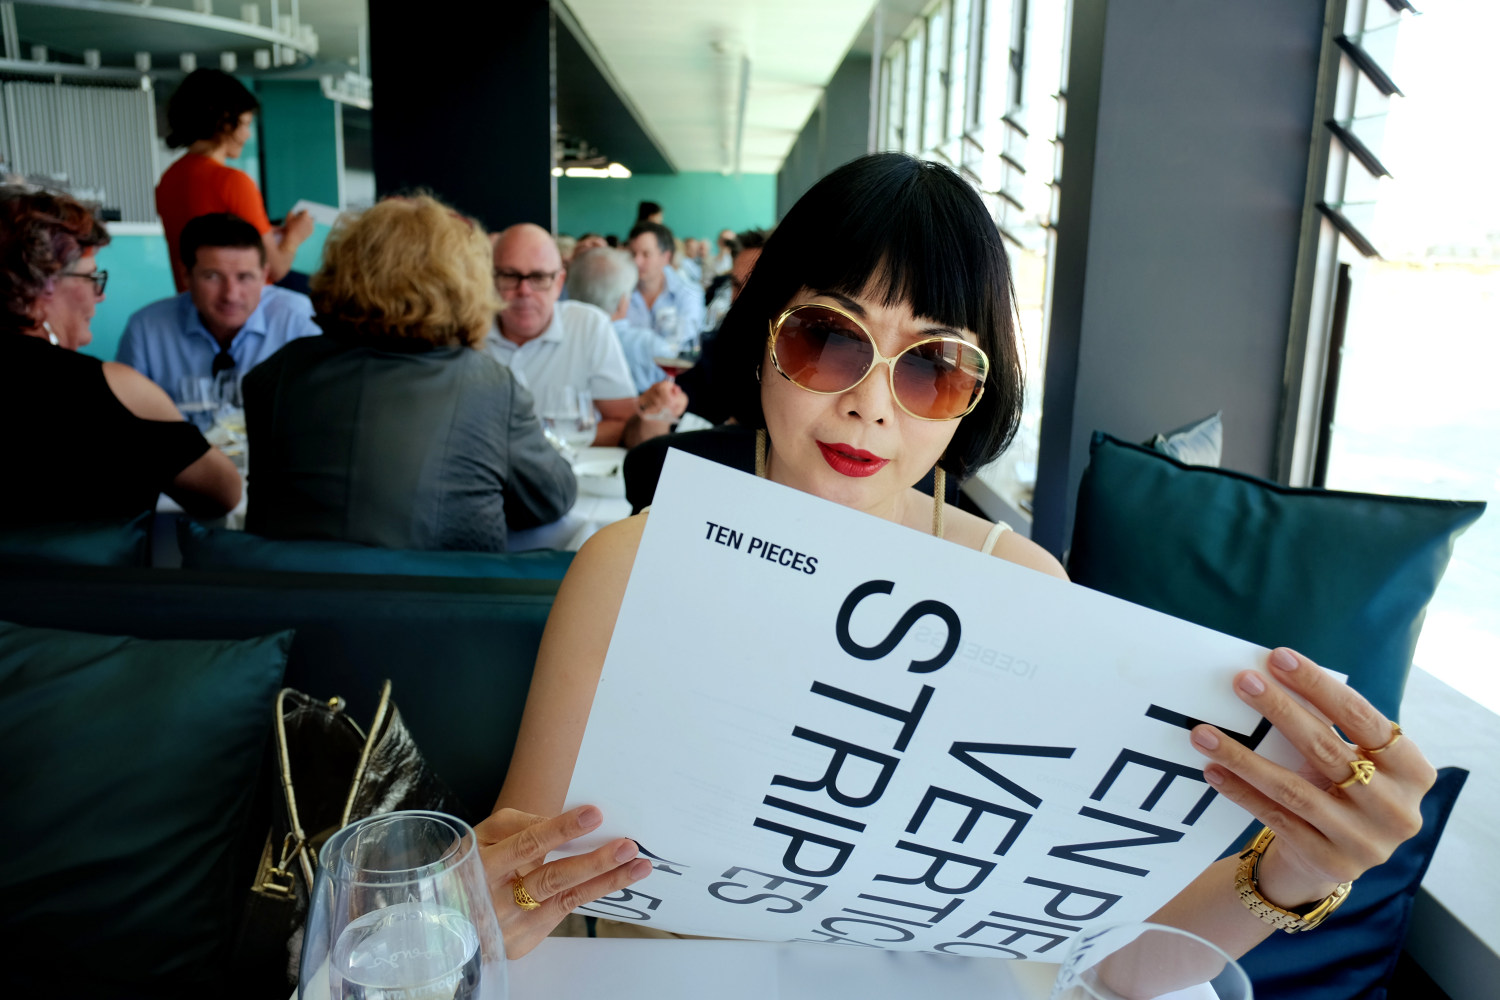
823, 349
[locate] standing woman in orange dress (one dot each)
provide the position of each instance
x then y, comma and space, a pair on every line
211, 113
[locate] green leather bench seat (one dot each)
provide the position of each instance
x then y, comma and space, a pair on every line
458, 651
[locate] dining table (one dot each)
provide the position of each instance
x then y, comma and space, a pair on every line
601, 501
655, 969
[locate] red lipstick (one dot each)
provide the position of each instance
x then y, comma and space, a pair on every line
848, 460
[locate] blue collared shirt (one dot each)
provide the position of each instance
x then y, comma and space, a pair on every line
642, 347
680, 304
167, 339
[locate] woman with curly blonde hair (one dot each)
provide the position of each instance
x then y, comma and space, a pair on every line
390, 429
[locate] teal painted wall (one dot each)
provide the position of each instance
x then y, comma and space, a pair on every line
139, 274
694, 204
299, 131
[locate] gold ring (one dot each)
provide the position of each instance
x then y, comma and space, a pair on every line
1363, 770
1395, 736
523, 898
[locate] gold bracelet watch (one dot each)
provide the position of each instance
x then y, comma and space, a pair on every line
1246, 884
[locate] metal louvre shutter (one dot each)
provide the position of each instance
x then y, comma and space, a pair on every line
98, 141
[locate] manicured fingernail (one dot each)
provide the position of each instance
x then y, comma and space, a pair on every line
590, 817
1252, 685
1212, 776
1282, 659
639, 869
1206, 739
626, 851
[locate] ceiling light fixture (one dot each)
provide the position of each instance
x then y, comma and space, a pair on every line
615, 170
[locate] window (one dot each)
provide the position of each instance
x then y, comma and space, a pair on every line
977, 84
1415, 408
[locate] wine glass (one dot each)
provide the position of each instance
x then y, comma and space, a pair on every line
568, 412
198, 398
229, 418
401, 909
1140, 961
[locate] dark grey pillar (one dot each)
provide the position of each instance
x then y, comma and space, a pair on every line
1185, 164
466, 110
835, 133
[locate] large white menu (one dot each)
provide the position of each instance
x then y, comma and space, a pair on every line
826, 727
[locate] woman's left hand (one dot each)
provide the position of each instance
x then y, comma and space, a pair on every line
514, 843
1325, 834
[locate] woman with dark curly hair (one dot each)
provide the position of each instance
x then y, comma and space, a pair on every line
88, 440
210, 113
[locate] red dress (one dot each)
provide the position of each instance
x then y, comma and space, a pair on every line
200, 185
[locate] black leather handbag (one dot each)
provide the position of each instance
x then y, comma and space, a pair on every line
329, 773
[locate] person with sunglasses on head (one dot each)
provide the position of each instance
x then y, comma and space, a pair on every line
874, 342
551, 344
90, 439
228, 320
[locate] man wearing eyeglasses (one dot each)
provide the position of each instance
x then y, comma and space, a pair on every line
229, 319
548, 343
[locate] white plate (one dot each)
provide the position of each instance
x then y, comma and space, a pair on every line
600, 467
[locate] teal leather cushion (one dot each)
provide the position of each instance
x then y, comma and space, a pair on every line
97, 543
217, 548
1353, 954
130, 770
1344, 578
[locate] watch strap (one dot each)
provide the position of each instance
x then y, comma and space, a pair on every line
1246, 885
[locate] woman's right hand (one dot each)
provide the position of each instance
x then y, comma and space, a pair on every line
514, 843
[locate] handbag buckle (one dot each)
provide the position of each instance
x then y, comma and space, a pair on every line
276, 880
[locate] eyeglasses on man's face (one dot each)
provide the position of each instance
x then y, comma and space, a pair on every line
509, 281
99, 278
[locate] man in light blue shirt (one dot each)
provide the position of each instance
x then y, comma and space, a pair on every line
228, 319
663, 301
606, 278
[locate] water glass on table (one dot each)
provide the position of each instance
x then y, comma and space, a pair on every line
401, 909
198, 399
1146, 961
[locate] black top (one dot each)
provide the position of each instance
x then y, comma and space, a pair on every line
398, 443
73, 451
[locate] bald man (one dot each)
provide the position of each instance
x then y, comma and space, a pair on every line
548, 343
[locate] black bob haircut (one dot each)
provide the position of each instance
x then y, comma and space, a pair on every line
900, 230
221, 229
205, 105
664, 238
645, 210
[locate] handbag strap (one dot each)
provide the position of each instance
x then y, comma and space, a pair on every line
377, 727
295, 843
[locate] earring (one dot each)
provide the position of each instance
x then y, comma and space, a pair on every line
51, 336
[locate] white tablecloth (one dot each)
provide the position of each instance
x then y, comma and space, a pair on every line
601, 500
633, 969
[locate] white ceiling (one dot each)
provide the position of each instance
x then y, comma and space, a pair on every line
680, 63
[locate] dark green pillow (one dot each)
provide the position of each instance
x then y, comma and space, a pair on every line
1342, 577
130, 769
93, 543
217, 548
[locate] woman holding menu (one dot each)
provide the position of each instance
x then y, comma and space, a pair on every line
892, 351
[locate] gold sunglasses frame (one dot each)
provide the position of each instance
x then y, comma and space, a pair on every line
879, 359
